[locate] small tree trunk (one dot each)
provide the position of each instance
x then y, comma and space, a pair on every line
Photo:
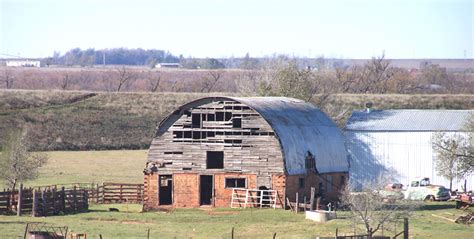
450, 185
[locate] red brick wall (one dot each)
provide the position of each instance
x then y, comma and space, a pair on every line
279, 184
312, 180
150, 191
223, 196
185, 190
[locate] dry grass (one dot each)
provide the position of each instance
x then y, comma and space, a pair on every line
64, 120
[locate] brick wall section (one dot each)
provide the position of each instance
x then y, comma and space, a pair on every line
312, 180
185, 190
223, 196
150, 191
279, 183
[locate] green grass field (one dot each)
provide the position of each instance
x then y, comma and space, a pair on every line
217, 223
130, 222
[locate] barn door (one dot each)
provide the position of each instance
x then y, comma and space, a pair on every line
206, 188
165, 193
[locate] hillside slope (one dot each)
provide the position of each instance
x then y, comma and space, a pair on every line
64, 120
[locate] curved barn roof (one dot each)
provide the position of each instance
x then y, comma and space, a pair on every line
299, 126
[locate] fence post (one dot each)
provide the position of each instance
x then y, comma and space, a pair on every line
44, 203
311, 200
121, 189
86, 200
103, 192
53, 192
63, 200
97, 194
297, 203
34, 206
405, 228
20, 195
75, 199
304, 202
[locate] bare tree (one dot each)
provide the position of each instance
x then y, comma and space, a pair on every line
64, 81
124, 76
247, 82
8, 77
454, 158
285, 78
373, 77
369, 207
154, 80
17, 163
210, 81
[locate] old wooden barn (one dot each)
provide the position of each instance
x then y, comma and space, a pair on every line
209, 147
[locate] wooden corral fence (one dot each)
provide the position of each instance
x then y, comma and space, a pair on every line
107, 192
118, 193
43, 202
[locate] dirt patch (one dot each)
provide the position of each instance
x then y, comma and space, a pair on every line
111, 220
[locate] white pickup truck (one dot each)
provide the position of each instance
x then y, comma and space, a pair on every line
421, 189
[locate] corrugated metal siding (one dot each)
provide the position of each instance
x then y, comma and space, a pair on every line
300, 127
402, 155
409, 120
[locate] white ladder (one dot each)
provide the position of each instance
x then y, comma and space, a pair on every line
253, 198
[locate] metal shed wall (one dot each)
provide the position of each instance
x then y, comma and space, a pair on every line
400, 155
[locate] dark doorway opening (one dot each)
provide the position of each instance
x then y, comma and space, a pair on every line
206, 188
165, 193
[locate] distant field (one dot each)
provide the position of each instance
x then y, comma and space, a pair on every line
124, 166
73, 120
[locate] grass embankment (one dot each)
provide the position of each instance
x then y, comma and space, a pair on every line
68, 120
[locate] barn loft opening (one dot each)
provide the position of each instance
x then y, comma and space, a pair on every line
235, 182
219, 116
196, 120
215, 160
237, 123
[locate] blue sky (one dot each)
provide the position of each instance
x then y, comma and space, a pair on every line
212, 28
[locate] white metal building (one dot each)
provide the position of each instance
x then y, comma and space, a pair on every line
398, 144
23, 63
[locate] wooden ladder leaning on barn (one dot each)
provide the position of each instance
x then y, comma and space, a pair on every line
253, 198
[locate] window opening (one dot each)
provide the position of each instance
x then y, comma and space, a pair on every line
235, 183
237, 123
215, 160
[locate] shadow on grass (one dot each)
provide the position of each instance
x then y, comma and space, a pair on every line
429, 207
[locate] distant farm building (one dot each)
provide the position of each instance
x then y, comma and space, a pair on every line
23, 63
399, 143
208, 147
168, 65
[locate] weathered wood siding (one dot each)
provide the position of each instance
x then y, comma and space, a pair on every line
251, 148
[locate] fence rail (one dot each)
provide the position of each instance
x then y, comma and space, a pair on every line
43, 202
